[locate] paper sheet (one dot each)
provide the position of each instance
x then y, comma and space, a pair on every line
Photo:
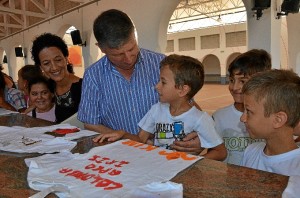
114, 170
36, 140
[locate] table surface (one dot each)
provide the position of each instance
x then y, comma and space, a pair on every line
205, 178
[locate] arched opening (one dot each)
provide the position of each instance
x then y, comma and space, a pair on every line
204, 28
212, 69
75, 51
229, 60
231, 57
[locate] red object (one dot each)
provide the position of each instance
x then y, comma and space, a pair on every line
66, 131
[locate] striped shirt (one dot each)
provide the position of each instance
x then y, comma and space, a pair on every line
109, 99
15, 98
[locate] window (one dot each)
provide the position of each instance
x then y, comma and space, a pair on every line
187, 44
234, 39
170, 46
210, 41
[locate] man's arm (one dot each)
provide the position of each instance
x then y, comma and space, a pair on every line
191, 144
98, 128
115, 135
217, 153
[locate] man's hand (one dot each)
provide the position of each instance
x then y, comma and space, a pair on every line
190, 144
110, 137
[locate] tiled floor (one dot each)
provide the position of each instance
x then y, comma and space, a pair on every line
213, 96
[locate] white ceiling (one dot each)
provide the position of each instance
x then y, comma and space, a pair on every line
195, 9
206, 13
16, 15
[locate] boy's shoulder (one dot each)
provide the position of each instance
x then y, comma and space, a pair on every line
198, 114
226, 111
159, 107
252, 153
255, 147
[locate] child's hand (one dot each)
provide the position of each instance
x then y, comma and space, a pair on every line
30, 108
110, 137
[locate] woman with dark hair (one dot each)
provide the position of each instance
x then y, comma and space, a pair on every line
50, 53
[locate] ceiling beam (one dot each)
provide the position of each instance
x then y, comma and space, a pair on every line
3, 1
78, 1
17, 11
40, 6
11, 25
17, 19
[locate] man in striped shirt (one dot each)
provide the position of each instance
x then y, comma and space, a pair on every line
118, 89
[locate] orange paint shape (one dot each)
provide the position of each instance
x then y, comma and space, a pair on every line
75, 56
175, 155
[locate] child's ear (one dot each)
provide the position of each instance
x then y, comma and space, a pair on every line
184, 90
25, 84
280, 119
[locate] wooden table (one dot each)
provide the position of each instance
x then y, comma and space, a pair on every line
205, 178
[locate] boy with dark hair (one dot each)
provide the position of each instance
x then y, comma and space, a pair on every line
227, 119
181, 77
